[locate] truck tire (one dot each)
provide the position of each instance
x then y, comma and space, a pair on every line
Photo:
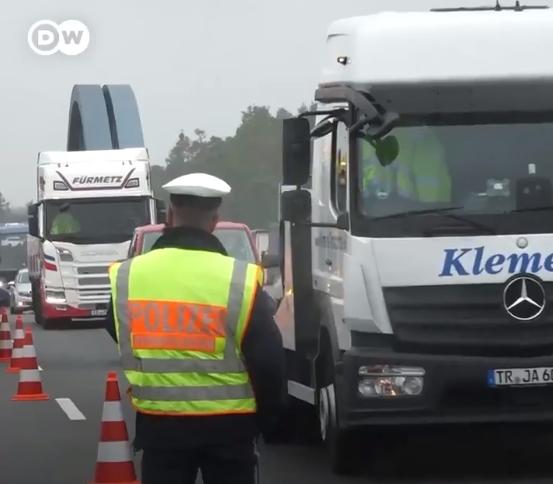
37, 305
339, 442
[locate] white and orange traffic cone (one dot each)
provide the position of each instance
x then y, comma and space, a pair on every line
114, 463
30, 384
6, 343
18, 343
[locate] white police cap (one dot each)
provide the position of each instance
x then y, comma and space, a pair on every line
199, 185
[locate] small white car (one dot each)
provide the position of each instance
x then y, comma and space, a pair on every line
20, 289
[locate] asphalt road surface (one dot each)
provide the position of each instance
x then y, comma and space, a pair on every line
40, 444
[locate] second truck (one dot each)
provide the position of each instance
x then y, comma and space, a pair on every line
89, 203
417, 225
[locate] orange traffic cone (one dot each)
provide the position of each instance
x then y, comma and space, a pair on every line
6, 342
114, 463
18, 342
30, 384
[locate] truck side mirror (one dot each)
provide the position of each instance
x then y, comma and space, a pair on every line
295, 206
387, 150
32, 218
296, 151
161, 211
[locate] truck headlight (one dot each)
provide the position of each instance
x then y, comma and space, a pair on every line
65, 255
55, 297
377, 381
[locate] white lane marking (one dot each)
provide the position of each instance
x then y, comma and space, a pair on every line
70, 409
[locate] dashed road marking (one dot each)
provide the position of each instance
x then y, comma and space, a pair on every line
70, 409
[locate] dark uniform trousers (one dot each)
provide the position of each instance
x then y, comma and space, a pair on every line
219, 464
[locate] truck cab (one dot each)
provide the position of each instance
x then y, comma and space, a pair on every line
89, 203
417, 225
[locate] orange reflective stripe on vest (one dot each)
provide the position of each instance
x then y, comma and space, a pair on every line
176, 325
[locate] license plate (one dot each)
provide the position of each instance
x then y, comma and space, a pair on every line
99, 312
520, 376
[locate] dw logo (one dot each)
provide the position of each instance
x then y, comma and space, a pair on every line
46, 37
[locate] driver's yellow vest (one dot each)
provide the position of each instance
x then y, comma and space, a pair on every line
418, 173
64, 223
180, 318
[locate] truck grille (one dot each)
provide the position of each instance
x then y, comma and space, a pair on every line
466, 319
90, 270
94, 281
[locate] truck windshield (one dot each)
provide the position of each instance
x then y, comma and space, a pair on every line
493, 178
95, 221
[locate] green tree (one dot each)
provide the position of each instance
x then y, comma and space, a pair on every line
250, 161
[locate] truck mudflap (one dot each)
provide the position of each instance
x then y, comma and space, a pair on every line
456, 389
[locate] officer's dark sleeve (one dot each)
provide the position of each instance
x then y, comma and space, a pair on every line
265, 362
110, 322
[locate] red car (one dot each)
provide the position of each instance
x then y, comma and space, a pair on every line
235, 237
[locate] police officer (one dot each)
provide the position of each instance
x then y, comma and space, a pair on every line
199, 346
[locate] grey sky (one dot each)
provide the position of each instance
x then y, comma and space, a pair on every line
192, 64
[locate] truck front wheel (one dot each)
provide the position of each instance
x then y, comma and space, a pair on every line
339, 442
37, 305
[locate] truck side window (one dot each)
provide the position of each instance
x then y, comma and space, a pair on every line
339, 168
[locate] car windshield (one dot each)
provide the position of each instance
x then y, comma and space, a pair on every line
498, 177
236, 242
150, 239
92, 221
13, 250
23, 278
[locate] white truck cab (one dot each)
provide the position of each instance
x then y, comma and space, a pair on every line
417, 223
89, 203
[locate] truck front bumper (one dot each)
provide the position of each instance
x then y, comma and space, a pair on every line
456, 390
66, 311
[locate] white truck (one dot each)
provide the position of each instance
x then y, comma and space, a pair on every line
104, 194
417, 225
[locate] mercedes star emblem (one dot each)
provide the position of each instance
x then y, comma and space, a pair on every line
524, 298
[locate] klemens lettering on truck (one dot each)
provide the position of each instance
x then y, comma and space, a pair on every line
91, 180
473, 262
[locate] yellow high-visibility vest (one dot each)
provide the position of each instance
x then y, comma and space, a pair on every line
180, 318
419, 172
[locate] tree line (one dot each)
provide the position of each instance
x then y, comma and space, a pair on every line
249, 161
9, 214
